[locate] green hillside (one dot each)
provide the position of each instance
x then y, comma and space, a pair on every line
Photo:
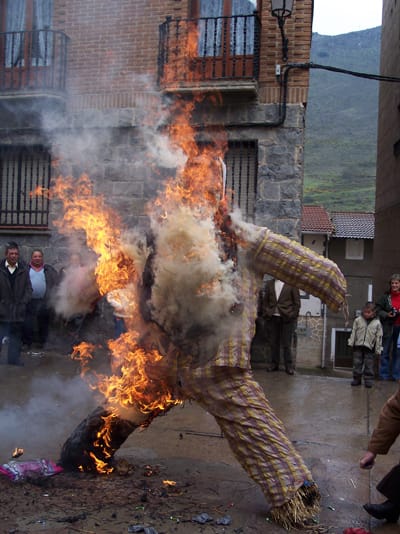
341, 123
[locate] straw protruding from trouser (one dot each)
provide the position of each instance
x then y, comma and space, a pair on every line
300, 510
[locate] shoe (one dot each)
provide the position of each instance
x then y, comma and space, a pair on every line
272, 368
368, 384
356, 382
289, 371
387, 510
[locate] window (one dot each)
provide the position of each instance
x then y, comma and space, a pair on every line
23, 172
241, 180
213, 31
354, 249
226, 42
27, 39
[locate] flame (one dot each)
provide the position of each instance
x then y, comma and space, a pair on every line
83, 211
40, 191
184, 58
140, 383
17, 452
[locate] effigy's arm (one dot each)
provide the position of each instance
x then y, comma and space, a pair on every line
291, 262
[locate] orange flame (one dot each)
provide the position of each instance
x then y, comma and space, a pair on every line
140, 371
40, 191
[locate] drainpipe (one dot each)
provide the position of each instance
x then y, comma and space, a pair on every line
324, 311
323, 337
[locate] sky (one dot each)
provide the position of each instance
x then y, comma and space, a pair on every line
334, 17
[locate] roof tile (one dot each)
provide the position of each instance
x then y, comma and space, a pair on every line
355, 225
315, 219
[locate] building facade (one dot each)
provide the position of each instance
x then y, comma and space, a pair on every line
387, 204
87, 87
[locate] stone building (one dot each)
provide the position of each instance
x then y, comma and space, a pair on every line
82, 85
87, 87
387, 202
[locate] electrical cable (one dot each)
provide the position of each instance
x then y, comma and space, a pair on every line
378, 77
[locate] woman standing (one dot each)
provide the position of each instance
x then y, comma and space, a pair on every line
388, 308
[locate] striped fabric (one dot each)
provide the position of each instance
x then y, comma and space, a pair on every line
255, 434
299, 266
223, 383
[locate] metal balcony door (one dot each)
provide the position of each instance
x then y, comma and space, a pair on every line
25, 51
225, 39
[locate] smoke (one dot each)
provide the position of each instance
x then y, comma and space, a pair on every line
77, 292
77, 148
194, 292
45, 419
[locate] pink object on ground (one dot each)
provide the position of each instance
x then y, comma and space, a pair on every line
18, 471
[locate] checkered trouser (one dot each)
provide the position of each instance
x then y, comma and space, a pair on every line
255, 434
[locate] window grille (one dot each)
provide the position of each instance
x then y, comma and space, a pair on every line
241, 180
24, 174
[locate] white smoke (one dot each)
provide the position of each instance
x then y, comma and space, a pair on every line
41, 424
194, 292
77, 292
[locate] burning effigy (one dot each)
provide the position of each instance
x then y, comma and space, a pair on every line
190, 289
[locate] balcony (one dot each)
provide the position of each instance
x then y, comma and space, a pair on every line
209, 53
33, 67
33, 61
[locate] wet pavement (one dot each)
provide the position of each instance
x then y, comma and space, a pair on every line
328, 420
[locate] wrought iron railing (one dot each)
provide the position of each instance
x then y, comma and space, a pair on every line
33, 60
25, 174
209, 48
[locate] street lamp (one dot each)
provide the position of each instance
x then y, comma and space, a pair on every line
281, 9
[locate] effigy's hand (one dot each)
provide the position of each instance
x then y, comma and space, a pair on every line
368, 460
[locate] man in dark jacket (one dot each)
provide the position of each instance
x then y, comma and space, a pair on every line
280, 308
44, 279
15, 293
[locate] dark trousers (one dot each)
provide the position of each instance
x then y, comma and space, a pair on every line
12, 331
363, 364
36, 320
389, 486
280, 335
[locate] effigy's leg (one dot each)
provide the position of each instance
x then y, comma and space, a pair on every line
258, 439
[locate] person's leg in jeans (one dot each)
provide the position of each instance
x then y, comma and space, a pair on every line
4, 337
14, 345
396, 354
384, 362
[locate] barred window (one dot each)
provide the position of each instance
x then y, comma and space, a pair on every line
24, 171
241, 180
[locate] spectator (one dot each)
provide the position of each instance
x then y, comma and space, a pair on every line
383, 437
15, 293
388, 309
44, 279
280, 309
366, 340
